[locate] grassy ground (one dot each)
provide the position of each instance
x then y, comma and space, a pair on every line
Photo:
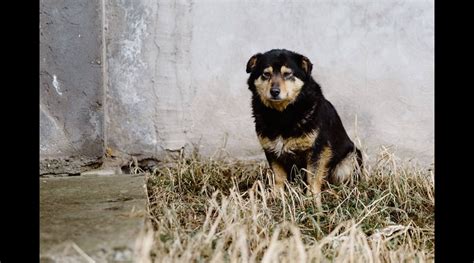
206, 210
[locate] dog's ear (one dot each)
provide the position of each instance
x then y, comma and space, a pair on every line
306, 65
253, 62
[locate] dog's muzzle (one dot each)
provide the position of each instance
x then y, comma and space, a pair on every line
275, 91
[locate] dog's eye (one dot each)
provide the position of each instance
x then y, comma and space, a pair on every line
287, 75
266, 75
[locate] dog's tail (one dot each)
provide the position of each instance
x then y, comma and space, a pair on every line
349, 169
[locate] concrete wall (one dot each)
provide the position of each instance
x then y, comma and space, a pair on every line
175, 71
71, 90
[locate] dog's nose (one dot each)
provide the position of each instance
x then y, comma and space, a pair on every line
274, 91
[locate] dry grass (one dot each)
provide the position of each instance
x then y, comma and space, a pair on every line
206, 210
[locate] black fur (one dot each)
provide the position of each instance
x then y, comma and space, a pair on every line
309, 111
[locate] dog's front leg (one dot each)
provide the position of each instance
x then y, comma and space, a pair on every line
317, 172
280, 176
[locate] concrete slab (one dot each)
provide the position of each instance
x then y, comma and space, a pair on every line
91, 219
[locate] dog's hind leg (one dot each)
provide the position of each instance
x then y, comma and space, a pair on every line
317, 171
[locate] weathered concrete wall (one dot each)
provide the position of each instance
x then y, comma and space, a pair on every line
176, 70
71, 110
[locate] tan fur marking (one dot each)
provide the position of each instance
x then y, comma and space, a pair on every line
280, 175
278, 105
305, 64
284, 69
318, 172
252, 62
293, 88
281, 145
263, 89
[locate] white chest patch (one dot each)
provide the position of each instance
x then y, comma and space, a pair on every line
279, 147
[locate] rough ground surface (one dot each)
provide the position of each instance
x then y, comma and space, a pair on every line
67, 166
83, 218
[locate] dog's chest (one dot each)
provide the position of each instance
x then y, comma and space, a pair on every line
279, 146
282, 146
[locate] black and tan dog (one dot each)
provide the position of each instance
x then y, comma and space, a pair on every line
295, 124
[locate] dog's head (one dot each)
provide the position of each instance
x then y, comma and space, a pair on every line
278, 76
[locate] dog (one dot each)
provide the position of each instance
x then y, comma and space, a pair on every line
296, 125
